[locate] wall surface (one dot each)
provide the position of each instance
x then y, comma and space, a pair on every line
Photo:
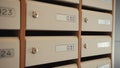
117, 35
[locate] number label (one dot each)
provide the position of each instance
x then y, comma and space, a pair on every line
6, 53
7, 11
66, 18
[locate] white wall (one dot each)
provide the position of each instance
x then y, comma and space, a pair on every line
117, 19
117, 35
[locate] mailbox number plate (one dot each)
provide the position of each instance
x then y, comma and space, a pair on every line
7, 11
6, 53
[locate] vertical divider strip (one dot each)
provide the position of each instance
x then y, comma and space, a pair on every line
22, 32
79, 33
113, 33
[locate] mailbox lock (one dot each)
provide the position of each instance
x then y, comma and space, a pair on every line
85, 46
34, 50
34, 14
86, 20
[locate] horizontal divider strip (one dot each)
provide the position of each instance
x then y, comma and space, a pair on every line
9, 33
59, 3
95, 57
96, 9
51, 33
55, 64
95, 33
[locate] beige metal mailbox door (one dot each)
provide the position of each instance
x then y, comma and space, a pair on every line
98, 63
10, 14
96, 45
102, 4
96, 21
45, 16
9, 52
47, 49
